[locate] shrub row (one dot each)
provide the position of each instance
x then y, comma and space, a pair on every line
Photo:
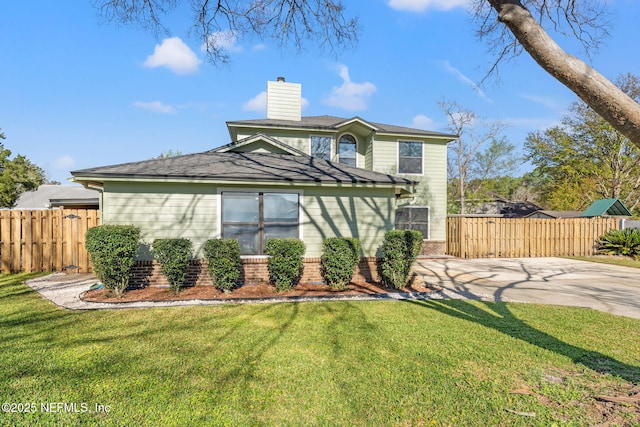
113, 250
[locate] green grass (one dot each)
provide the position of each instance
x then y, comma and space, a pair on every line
340, 363
615, 260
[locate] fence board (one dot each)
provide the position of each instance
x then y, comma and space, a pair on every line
477, 237
45, 240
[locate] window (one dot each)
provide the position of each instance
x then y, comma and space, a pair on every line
413, 218
253, 218
321, 147
347, 150
410, 157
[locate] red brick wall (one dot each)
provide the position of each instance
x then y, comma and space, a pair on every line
433, 247
254, 271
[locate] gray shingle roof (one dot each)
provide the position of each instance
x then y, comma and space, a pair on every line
243, 167
334, 123
43, 196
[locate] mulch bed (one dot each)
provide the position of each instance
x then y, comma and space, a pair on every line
259, 291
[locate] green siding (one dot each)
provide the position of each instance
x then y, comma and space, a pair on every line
163, 210
296, 139
380, 153
362, 213
432, 190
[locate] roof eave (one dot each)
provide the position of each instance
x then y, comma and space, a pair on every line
96, 179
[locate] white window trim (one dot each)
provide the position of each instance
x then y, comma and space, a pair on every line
220, 190
398, 158
331, 144
338, 146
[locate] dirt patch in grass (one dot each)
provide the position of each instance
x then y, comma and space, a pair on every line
604, 400
259, 291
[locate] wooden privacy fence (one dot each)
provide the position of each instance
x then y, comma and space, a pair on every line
45, 240
477, 237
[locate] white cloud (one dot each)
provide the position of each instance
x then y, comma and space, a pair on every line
64, 163
224, 40
174, 54
547, 102
259, 46
155, 106
258, 103
422, 5
350, 96
464, 79
423, 122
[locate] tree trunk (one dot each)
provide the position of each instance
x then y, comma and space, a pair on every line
621, 111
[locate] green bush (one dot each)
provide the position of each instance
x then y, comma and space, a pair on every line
400, 248
340, 256
223, 257
285, 261
113, 250
174, 256
620, 242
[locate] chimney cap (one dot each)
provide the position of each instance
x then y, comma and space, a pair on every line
280, 79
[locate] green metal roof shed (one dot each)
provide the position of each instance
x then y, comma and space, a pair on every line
606, 207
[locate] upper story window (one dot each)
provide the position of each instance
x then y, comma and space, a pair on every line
410, 157
321, 147
347, 150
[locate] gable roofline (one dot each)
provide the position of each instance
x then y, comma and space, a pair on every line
610, 207
356, 119
333, 124
255, 138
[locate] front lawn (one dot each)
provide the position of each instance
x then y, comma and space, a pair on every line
341, 363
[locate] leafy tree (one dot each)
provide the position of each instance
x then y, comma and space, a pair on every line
509, 26
17, 175
170, 153
585, 158
479, 153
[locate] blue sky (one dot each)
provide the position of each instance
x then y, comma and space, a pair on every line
77, 93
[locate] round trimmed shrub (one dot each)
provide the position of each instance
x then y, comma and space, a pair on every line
174, 256
400, 248
113, 250
340, 256
223, 258
285, 261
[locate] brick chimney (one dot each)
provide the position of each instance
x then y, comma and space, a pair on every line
284, 100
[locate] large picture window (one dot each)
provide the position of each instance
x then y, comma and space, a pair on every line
253, 218
321, 147
410, 157
347, 150
413, 218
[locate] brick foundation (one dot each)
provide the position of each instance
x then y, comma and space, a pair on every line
433, 247
254, 271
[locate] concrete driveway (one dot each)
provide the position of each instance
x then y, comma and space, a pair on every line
558, 281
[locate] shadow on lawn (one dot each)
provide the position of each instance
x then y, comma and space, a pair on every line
498, 317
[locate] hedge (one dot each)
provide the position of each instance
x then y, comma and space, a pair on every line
113, 249
223, 258
340, 256
285, 261
400, 248
174, 256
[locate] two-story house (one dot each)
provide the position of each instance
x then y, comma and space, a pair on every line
286, 176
